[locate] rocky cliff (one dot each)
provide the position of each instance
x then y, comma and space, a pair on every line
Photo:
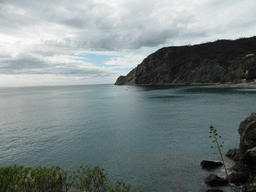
215, 62
244, 170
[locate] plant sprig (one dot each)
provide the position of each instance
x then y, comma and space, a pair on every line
214, 134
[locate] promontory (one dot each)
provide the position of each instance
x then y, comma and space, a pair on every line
221, 61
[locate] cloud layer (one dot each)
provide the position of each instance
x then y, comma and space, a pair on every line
38, 36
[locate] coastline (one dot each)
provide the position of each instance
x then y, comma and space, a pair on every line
249, 84
228, 84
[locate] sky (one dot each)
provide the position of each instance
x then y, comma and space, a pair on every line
63, 42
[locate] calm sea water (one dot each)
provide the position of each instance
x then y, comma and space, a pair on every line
153, 137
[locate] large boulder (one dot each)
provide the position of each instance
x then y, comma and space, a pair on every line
249, 158
214, 180
247, 131
250, 186
240, 173
239, 177
209, 165
234, 154
240, 167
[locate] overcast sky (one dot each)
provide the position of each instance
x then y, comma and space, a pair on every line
63, 42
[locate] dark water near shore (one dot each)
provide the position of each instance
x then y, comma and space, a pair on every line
153, 137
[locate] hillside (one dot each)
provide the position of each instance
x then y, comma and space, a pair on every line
214, 62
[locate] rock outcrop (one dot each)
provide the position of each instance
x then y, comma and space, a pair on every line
239, 177
216, 62
247, 131
244, 171
214, 180
214, 190
210, 165
234, 154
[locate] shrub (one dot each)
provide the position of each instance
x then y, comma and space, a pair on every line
55, 179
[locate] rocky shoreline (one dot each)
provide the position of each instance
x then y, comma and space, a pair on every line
249, 84
244, 170
228, 84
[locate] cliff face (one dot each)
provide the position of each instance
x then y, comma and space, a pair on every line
221, 61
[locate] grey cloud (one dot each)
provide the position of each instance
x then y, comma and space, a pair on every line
103, 26
22, 64
17, 14
75, 22
4, 56
44, 52
85, 72
26, 64
154, 38
82, 72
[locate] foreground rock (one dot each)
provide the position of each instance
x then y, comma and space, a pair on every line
210, 165
247, 131
250, 185
244, 171
234, 154
216, 62
214, 180
214, 190
239, 177
249, 158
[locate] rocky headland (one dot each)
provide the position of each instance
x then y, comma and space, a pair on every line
218, 62
244, 170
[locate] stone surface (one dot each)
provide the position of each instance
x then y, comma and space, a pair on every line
214, 180
240, 167
215, 62
245, 156
247, 131
250, 186
209, 165
249, 158
244, 170
120, 80
234, 154
214, 190
239, 177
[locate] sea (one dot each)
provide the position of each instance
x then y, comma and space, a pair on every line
151, 137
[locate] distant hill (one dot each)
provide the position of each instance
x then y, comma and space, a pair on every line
214, 62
